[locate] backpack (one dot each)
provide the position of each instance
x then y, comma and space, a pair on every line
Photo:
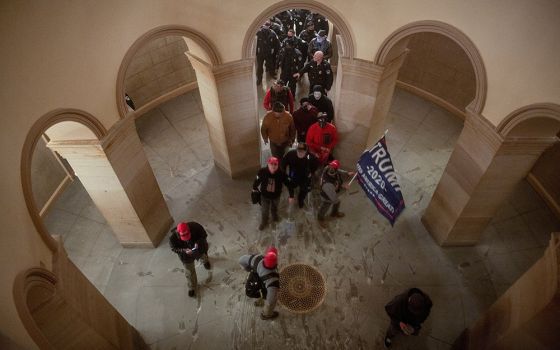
254, 285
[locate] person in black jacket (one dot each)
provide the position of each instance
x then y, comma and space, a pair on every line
188, 240
269, 183
319, 72
407, 312
300, 165
322, 102
306, 36
290, 60
267, 50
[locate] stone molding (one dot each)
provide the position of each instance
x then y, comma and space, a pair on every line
454, 34
156, 33
361, 68
536, 110
432, 98
484, 129
33, 136
164, 98
348, 47
233, 70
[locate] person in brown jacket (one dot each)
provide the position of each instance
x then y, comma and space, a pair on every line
278, 128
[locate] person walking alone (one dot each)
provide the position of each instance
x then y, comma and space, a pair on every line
189, 242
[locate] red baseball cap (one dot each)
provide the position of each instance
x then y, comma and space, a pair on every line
184, 231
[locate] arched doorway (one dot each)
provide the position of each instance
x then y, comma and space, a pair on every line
201, 47
396, 43
340, 37
80, 124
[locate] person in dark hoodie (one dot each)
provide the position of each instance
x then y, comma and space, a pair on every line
269, 183
322, 102
300, 166
304, 117
407, 312
189, 242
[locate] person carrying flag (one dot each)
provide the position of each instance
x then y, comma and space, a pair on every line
331, 184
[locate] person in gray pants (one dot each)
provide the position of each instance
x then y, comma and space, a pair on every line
266, 267
331, 184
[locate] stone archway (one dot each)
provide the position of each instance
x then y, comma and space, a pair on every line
348, 46
33, 136
205, 44
454, 34
57, 314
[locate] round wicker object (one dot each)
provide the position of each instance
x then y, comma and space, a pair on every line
302, 288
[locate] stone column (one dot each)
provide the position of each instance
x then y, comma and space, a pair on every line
229, 99
364, 92
116, 174
482, 172
238, 101
526, 315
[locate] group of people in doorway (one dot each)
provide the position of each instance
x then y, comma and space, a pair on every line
311, 128
293, 48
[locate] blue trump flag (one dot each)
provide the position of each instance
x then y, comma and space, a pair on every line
379, 181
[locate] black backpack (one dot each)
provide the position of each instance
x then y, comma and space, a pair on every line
254, 285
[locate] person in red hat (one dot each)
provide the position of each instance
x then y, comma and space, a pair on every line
269, 183
266, 267
188, 240
331, 184
407, 312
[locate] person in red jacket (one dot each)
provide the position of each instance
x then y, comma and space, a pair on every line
321, 138
279, 92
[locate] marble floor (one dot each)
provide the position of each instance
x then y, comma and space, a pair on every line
363, 259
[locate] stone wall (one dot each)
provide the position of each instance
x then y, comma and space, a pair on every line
437, 65
158, 68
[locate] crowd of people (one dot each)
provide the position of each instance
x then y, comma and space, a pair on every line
290, 43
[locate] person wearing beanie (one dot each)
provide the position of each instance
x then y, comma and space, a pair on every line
407, 311
306, 36
322, 102
320, 43
278, 128
321, 139
188, 241
331, 184
269, 183
304, 117
318, 71
300, 166
266, 266
278, 93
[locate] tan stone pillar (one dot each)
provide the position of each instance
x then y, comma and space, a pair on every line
238, 101
482, 172
116, 174
364, 92
526, 315
229, 99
